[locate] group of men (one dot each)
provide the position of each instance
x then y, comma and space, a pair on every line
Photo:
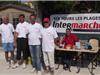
34, 38
31, 35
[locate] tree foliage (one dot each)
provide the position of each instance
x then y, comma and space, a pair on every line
65, 7
55, 7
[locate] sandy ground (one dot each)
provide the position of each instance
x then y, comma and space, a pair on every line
21, 71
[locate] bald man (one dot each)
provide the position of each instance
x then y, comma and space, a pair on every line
7, 38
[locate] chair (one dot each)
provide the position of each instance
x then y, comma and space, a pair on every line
95, 46
94, 43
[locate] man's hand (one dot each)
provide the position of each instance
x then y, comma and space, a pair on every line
57, 41
15, 44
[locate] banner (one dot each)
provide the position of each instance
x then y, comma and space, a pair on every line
79, 23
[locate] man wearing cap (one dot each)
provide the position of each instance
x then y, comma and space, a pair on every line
49, 36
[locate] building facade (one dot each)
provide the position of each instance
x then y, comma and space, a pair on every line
13, 11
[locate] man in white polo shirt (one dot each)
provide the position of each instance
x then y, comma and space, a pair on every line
34, 36
6, 32
49, 38
21, 38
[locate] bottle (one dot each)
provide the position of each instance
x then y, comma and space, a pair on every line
29, 60
78, 45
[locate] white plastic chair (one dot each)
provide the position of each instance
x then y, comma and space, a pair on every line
94, 43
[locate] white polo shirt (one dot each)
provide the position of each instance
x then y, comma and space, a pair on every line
21, 29
7, 33
34, 31
48, 36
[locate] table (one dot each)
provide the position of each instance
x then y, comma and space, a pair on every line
80, 51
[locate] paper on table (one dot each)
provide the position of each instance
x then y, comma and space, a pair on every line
78, 45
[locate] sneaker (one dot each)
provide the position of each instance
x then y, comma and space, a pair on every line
33, 70
8, 65
47, 69
15, 66
39, 73
12, 63
52, 71
23, 65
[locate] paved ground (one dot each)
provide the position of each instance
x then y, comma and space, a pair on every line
60, 71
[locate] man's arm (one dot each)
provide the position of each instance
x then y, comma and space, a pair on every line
76, 38
56, 40
0, 38
15, 38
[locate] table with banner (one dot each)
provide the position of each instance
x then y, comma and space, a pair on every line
80, 52
85, 25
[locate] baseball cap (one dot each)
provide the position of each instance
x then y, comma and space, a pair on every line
46, 19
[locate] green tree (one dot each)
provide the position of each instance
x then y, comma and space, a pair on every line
55, 7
